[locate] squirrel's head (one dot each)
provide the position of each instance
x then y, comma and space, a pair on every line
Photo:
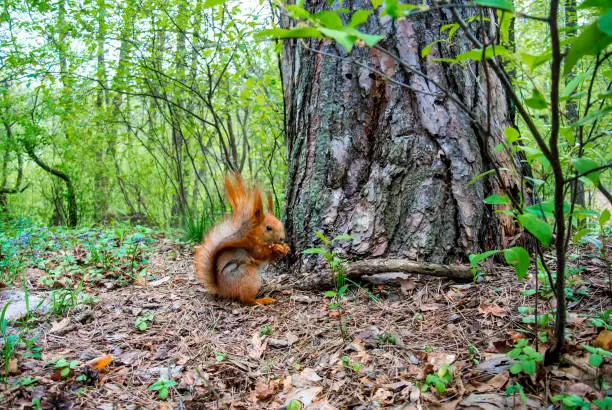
271, 229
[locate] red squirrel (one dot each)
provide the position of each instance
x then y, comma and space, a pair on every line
228, 259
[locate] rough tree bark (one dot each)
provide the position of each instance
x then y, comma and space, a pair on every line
383, 163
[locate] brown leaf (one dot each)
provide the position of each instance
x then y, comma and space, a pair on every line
101, 362
407, 286
496, 383
291, 338
140, 281
265, 390
437, 359
493, 310
259, 346
13, 367
604, 340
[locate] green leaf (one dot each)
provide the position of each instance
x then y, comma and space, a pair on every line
212, 3
532, 62
321, 236
359, 17
519, 258
163, 392
496, 200
297, 32
499, 147
604, 217
297, 12
595, 360
584, 165
318, 251
65, 371
605, 23
537, 228
294, 404
579, 235
512, 135
452, 28
516, 368
537, 100
592, 116
601, 4
376, 3
369, 39
475, 258
344, 39
498, 4
329, 19
529, 367
330, 294
427, 49
477, 54
343, 236
605, 404
590, 42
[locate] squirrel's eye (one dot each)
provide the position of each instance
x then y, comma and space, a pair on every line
269, 228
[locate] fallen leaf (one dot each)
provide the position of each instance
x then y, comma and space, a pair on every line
604, 340
57, 327
13, 367
140, 281
383, 396
496, 383
307, 378
101, 362
291, 338
437, 359
265, 390
493, 310
259, 346
407, 286
305, 396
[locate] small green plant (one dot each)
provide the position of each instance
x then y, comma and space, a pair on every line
473, 352
440, 379
64, 299
515, 388
603, 319
196, 225
64, 366
597, 355
526, 358
346, 362
571, 402
161, 386
266, 330
386, 338
142, 322
220, 356
336, 263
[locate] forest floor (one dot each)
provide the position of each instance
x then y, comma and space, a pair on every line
356, 352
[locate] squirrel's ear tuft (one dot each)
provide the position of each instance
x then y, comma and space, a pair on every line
270, 203
234, 190
258, 211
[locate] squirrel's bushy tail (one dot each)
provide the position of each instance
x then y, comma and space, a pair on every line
234, 232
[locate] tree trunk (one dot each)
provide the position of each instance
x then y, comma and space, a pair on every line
383, 163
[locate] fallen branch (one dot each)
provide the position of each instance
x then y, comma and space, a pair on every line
374, 266
324, 278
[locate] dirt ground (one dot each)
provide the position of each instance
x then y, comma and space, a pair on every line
361, 354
